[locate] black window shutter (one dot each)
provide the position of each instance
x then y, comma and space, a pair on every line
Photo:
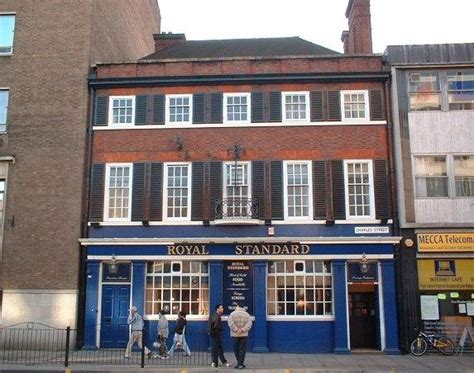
257, 107
376, 105
156, 192
334, 106
258, 187
199, 105
138, 192
217, 100
215, 187
275, 107
338, 193
276, 179
141, 109
381, 190
317, 110
101, 110
96, 208
319, 190
159, 109
197, 208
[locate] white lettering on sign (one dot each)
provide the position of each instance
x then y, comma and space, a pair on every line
370, 230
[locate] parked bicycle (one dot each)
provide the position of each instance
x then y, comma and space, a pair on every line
441, 343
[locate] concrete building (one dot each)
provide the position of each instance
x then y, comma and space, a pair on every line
433, 116
46, 52
254, 170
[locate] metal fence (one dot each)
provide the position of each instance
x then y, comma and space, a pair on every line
35, 343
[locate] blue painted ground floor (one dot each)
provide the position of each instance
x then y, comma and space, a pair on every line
306, 297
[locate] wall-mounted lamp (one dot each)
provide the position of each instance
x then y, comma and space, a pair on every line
364, 264
95, 224
145, 223
112, 265
330, 222
178, 142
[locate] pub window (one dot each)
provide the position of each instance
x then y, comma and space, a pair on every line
177, 191
301, 288
177, 286
118, 192
298, 190
237, 193
359, 188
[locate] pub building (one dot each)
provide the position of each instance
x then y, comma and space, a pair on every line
249, 170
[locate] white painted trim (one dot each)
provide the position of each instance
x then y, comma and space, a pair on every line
249, 108
98, 320
165, 192
40, 291
241, 257
168, 123
7, 158
381, 308
307, 105
249, 176
107, 191
110, 111
300, 318
242, 240
298, 219
366, 101
10, 53
171, 317
239, 125
356, 219
139, 223
347, 307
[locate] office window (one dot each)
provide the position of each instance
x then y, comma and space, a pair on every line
177, 286
461, 90
237, 198
464, 175
298, 190
425, 93
118, 192
179, 108
431, 177
4, 93
237, 107
296, 106
177, 192
122, 110
299, 288
7, 31
359, 188
355, 105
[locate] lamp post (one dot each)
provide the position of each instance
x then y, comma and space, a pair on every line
112, 265
364, 264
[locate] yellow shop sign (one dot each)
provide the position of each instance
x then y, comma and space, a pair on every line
446, 274
444, 242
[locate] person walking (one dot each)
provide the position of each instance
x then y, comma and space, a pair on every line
179, 339
163, 333
215, 329
135, 321
240, 323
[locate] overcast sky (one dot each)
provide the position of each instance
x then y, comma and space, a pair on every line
320, 21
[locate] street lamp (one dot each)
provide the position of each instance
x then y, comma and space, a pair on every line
364, 264
112, 265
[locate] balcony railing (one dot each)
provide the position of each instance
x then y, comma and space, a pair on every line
236, 209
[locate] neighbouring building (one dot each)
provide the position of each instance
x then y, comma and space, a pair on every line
254, 170
433, 117
46, 50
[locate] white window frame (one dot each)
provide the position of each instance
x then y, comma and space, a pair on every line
237, 94
371, 189
249, 178
3, 126
310, 191
307, 111
107, 191
366, 101
168, 111
13, 38
165, 191
111, 111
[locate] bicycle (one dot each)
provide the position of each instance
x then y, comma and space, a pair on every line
441, 343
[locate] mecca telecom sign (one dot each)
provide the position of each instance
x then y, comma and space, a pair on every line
445, 242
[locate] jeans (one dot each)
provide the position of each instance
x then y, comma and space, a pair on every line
240, 348
217, 351
180, 338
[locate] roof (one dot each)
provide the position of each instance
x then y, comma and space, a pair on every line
429, 54
232, 48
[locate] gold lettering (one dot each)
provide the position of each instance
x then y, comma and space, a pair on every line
304, 249
255, 250
294, 249
285, 250
171, 250
180, 250
238, 250
204, 250
266, 249
276, 249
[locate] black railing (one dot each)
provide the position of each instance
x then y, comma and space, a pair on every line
35, 343
236, 208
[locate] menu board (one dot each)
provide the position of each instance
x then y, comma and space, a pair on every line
238, 285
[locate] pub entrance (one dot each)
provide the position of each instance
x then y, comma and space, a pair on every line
363, 316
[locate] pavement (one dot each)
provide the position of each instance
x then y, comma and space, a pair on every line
292, 363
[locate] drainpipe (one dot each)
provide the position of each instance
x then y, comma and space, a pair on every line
84, 224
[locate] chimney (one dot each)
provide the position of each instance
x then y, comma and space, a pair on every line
165, 40
358, 40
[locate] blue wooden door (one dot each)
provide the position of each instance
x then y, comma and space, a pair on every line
115, 306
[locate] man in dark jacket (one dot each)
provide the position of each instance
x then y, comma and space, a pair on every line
215, 329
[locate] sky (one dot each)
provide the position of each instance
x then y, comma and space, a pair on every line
394, 22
